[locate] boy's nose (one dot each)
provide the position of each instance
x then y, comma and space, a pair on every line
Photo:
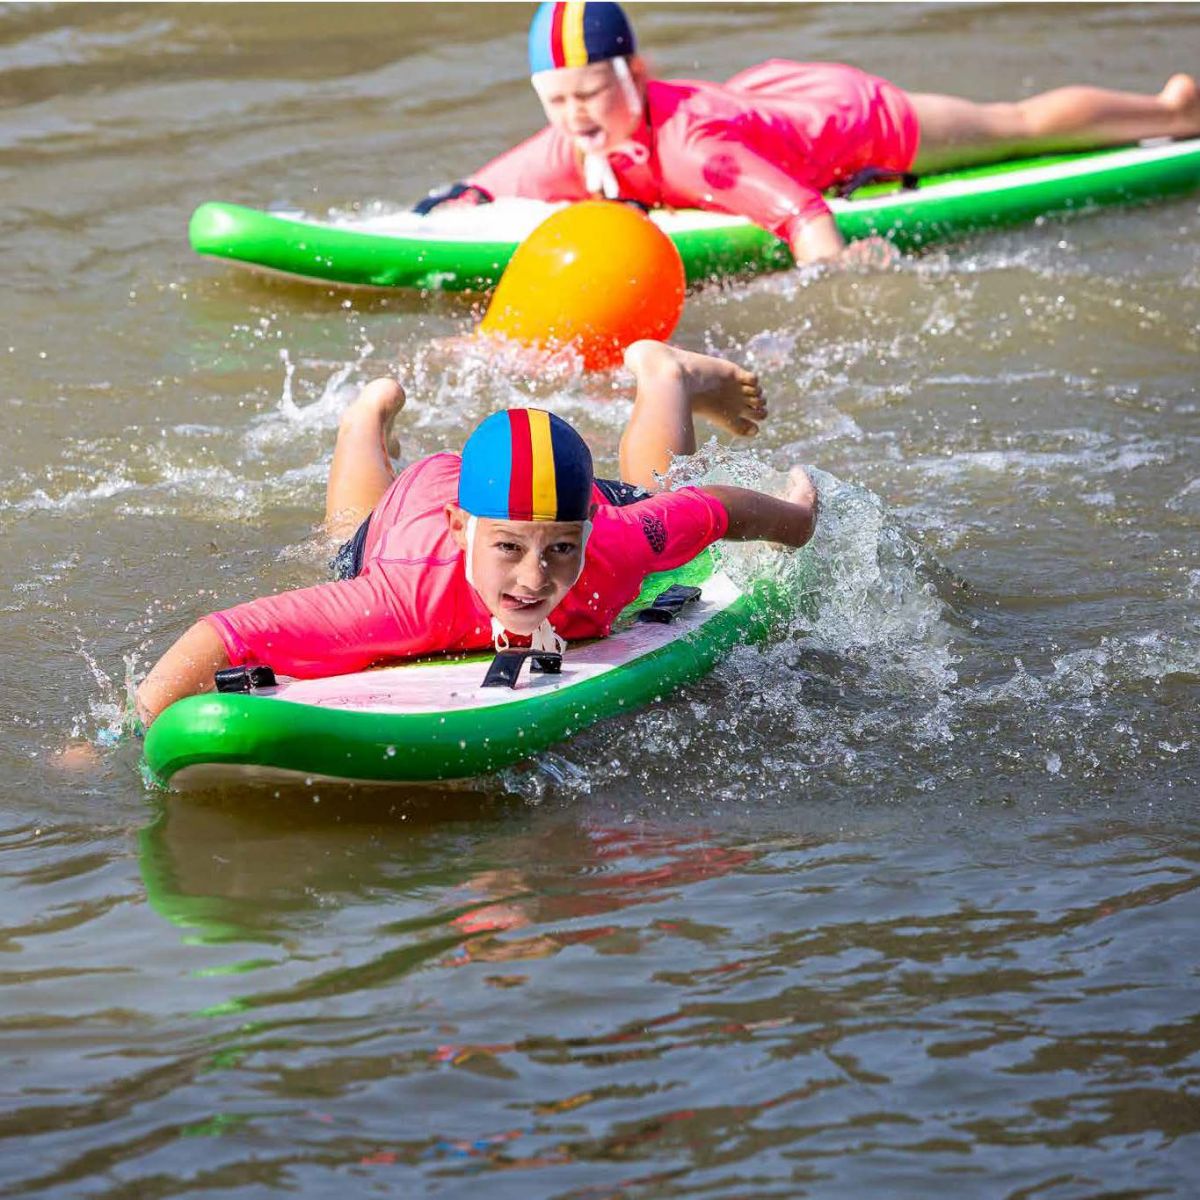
534, 571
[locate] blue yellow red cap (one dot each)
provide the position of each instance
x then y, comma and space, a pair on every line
526, 464
576, 33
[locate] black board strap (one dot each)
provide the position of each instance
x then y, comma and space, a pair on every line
506, 666
669, 604
868, 175
245, 679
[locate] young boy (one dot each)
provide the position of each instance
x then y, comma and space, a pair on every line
768, 142
513, 538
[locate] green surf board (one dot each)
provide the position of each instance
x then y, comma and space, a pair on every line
467, 248
431, 719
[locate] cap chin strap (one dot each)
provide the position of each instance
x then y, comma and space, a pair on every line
599, 177
633, 98
544, 637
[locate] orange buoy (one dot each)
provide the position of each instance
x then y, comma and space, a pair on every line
598, 275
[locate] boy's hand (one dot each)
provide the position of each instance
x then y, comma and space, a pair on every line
870, 254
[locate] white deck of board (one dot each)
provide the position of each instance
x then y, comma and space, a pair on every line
436, 687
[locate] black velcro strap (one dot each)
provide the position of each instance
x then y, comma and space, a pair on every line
452, 191
245, 679
506, 666
869, 175
669, 604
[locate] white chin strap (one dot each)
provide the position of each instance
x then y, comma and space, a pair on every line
544, 637
599, 177
633, 98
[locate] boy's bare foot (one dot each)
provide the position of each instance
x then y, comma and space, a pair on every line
1181, 95
718, 390
362, 467
378, 403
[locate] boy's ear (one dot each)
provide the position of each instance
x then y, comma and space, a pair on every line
638, 70
457, 520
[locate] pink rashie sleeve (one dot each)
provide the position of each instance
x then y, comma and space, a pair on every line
630, 542
714, 171
542, 167
659, 533
329, 629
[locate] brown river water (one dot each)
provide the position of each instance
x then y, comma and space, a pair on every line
903, 905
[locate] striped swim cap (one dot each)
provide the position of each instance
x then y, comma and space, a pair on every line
526, 465
576, 33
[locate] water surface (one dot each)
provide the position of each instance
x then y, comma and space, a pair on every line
904, 904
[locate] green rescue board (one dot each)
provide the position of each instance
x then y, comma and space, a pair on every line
467, 248
431, 719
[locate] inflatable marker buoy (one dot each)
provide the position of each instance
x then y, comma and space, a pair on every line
598, 276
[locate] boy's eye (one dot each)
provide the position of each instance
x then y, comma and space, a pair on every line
564, 547
508, 547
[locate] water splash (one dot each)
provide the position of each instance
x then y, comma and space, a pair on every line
111, 712
870, 661
290, 419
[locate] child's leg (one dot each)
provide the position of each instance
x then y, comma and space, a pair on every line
961, 133
362, 469
673, 387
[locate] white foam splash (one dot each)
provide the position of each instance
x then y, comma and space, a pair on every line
878, 620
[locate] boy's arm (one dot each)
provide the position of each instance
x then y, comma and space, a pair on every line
186, 668
542, 167
754, 516
817, 240
328, 629
716, 170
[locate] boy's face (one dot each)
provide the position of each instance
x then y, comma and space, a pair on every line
589, 105
522, 569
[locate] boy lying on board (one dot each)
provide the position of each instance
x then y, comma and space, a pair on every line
513, 538
767, 143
